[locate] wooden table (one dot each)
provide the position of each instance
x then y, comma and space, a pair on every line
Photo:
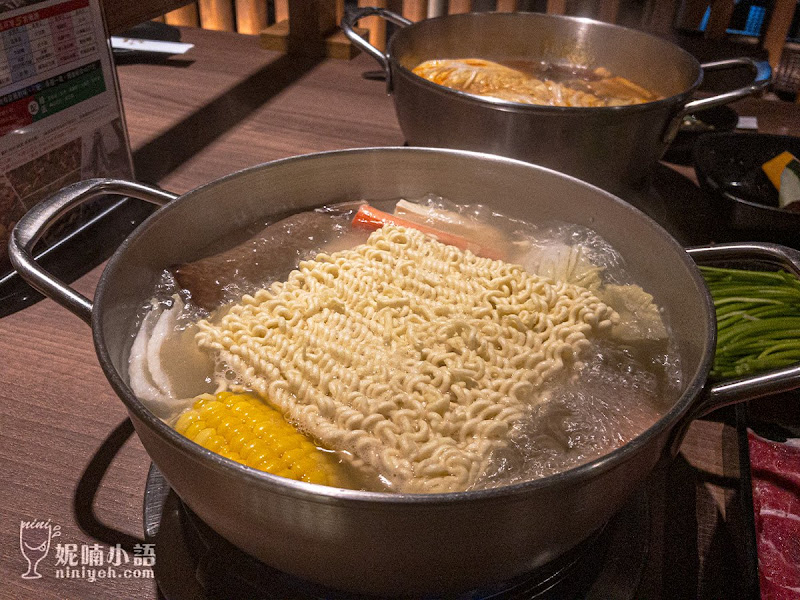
66, 449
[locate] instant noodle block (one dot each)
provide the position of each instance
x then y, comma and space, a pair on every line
411, 357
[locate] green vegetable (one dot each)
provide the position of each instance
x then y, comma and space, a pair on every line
758, 320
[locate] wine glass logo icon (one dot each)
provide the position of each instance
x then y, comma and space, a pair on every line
34, 543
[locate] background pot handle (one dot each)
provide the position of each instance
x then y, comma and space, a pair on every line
762, 75
35, 223
348, 26
764, 384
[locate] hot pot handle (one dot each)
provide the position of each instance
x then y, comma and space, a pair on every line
35, 223
762, 77
772, 382
348, 26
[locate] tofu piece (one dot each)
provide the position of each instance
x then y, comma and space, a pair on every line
640, 318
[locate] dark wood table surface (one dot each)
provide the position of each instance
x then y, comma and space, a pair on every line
67, 452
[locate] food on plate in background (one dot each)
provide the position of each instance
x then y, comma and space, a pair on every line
775, 476
410, 354
531, 82
758, 320
784, 173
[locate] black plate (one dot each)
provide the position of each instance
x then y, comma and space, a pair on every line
728, 167
719, 119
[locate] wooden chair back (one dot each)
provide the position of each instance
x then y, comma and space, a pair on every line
252, 16
416, 10
244, 16
773, 37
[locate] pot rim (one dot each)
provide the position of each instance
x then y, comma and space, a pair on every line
321, 493
505, 105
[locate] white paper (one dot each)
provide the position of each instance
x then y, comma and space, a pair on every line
747, 123
157, 46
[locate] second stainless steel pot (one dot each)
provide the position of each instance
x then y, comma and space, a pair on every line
612, 147
380, 543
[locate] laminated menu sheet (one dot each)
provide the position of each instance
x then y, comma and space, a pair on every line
60, 113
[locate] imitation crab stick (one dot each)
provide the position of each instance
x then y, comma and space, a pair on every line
370, 217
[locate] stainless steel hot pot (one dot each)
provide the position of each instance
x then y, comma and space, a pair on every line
613, 147
378, 542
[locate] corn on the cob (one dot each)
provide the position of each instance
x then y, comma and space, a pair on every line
243, 428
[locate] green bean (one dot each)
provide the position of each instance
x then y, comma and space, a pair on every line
758, 320
710, 272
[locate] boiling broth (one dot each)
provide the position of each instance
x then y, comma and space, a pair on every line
615, 389
535, 82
